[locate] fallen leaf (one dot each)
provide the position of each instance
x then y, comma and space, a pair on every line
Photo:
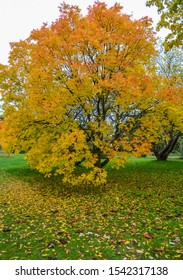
159, 227
79, 231
59, 233
146, 235
159, 249
6, 229
169, 217
52, 245
104, 215
140, 251
177, 239
121, 241
63, 241
134, 230
54, 211
129, 248
114, 211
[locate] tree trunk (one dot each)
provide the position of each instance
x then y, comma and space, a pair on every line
104, 162
100, 156
98, 163
162, 151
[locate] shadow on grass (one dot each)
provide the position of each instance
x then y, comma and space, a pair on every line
152, 163
17, 168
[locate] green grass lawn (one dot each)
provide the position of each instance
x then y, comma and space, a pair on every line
137, 215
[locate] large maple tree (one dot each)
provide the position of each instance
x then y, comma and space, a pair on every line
81, 91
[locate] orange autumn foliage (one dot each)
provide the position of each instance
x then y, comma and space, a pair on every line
82, 91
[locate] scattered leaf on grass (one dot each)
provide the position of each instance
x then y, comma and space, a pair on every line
79, 231
54, 211
159, 227
159, 249
63, 241
146, 235
121, 241
52, 245
177, 239
59, 233
114, 210
6, 229
133, 230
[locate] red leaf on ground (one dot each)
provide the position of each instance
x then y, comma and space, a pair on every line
159, 249
146, 235
63, 241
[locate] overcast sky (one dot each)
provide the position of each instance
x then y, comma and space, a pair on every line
19, 17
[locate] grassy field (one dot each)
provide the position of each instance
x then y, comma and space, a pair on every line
137, 215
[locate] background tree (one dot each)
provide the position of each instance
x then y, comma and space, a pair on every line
170, 66
171, 12
82, 91
1, 125
181, 147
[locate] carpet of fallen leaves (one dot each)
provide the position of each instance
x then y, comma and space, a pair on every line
137, 215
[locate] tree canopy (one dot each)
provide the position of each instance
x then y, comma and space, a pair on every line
171, 12
83, 91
